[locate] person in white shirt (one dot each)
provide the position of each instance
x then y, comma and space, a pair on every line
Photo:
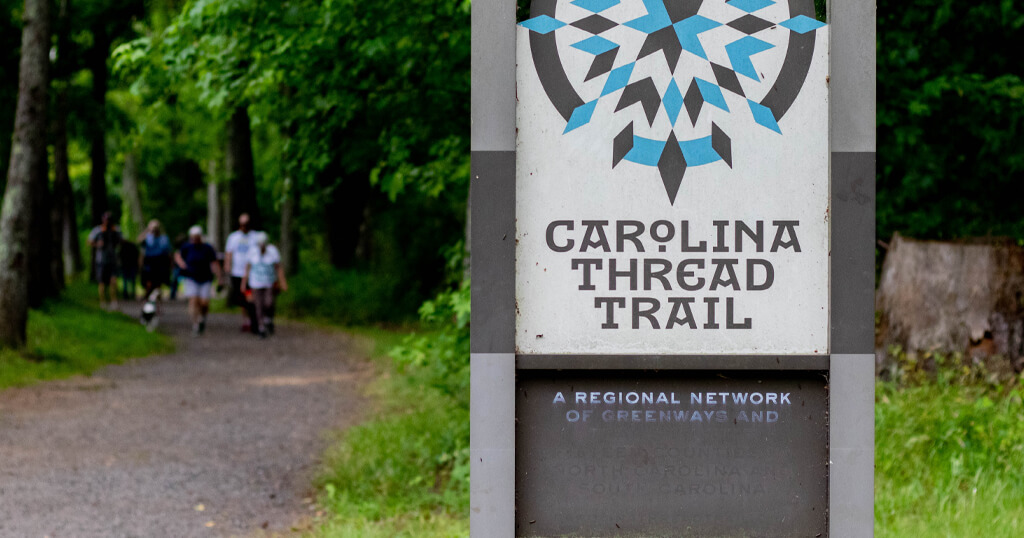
236, 254
265, 277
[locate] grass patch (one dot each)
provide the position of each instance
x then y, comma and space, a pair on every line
405, 473
421, 525
949, 459
73, 336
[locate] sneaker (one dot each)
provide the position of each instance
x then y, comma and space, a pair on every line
202, 326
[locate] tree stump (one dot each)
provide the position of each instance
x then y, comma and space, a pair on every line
953, 297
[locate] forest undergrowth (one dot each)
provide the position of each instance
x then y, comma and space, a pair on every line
405, 473
949, 450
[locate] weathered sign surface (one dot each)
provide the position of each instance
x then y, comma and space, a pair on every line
671, 454
672, 178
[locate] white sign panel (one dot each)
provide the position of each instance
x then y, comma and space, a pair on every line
672, 178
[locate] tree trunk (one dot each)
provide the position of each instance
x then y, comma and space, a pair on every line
40, 247
41, 284
239, 168
213, 216
28, 159
56, 258
63, 196
97, 129
962, 297
226, 206
287, 243
132, 200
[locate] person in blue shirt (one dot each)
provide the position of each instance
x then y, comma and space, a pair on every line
156, 257
198, 263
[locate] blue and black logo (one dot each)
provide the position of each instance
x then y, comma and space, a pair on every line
672, 28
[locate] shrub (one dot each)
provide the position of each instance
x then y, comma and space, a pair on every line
442, 357
347, 297
407, 472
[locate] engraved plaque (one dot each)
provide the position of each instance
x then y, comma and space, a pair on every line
671, 453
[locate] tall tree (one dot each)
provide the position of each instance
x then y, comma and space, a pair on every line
27, 166
64, 214
239, 168
132, 206
214, 219
41, 284
107, 22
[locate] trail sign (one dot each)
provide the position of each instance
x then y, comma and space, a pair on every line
673, 268
672, 178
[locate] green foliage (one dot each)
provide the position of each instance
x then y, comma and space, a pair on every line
393, 74
405, 473
442, 357
950, 118
346, 296
342, 94
949, 459
402, 265
72, 337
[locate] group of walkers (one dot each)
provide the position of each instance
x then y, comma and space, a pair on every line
252, 264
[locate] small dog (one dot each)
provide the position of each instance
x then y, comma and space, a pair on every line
149, 316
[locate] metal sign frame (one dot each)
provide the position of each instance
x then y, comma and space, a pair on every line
850, 362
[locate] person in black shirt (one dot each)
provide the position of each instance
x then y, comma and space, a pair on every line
155, 262
198, 264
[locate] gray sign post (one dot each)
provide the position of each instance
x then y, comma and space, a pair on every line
673, 268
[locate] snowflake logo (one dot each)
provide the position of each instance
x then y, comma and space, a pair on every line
645, 52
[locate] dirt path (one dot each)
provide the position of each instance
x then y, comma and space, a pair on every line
218, 439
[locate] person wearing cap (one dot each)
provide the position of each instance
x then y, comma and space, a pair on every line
197, 261
264, 276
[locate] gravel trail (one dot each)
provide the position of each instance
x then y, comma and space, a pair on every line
220, 438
